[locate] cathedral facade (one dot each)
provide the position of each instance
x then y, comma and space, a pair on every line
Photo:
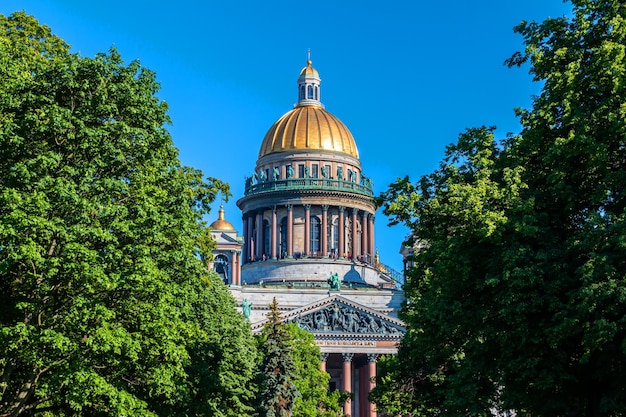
308, 240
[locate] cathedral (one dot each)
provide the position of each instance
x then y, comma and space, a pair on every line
308, 240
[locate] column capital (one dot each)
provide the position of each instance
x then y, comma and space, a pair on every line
347, 357
324, 356
372, 357
307, 207
289, 207
274, 208
325, 207
341, 209
355, 211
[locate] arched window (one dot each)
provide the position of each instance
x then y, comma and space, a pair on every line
317, 93
283, 238
309, 92
315, 236
221, 267
301, 93
267, 244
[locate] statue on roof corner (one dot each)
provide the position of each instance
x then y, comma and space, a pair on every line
334, 282
246, 308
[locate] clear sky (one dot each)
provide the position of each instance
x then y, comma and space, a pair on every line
405, 76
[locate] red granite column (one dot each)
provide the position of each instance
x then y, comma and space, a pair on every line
274, 228
233, 267
244, 220
237, 256
259, 236
289, 231
250, 250
371, 366
307, 229
324, 231
372, 241
355, 250
323, 361
365, 249
341, 249
346, 381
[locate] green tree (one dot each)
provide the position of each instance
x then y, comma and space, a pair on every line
517, 298
315, 399
224, 364
460, 211
278, 370
105, 305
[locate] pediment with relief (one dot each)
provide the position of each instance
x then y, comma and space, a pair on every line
338, 318
337, 315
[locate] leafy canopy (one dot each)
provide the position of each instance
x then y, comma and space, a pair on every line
290, 351
105, 305
313, 384
278, 369
517, 299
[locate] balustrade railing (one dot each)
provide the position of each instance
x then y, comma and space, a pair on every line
397, 277
309, 184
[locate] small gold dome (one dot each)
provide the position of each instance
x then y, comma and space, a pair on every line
309, 71
221, 223
307, 128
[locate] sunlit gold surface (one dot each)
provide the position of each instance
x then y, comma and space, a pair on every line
309, 70
308, 128
221, 223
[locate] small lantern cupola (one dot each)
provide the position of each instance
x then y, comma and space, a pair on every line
309, 86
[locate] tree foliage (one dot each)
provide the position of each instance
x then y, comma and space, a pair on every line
517, 297
315, 398
308, 384
278, 370
223, 372
105, 305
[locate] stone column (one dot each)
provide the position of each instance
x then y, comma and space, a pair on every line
354, 250
274, 228
259, 236
371, 367
365, 249
307, 229
346, 381
289, 231
244, 220
250, 250
340, 229
233, 267
324, 231
372, 241
238, 253
323, 362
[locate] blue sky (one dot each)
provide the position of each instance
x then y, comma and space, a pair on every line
405, 76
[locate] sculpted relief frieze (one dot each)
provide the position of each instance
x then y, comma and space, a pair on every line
344, 319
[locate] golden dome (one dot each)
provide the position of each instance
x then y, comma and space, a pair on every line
221, 223
309, 71
307, 128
